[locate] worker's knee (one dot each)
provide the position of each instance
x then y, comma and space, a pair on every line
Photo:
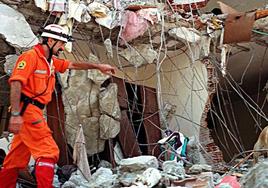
44, 171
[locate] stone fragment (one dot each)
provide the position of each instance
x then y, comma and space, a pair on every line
198, 168
109, 127
174, 168
256, 177
109, 102
139, 163
20, 36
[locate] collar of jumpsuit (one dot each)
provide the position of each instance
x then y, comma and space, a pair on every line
41, 53
40, 50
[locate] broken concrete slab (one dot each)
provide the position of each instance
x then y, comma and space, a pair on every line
127, 179
151, 177
139, 163
78, 77
9, 18
174, 168
104, 178
91, 131
94, 100
187, 34
78, 102
109, 102
139, 55
198, 168
109, 127
97, 77
84, 108
256, 177
76, 180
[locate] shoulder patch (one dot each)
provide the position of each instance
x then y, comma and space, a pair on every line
21, 65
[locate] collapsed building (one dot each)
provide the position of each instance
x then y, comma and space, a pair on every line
183, 72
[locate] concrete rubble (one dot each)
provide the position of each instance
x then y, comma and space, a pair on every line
97, 108
13, 35
91, 103
147, 172
143, 171
139, 55
108, 103
174, 169
256, 176
197, 168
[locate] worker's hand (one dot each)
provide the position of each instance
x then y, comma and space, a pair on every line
15, 124
106, 69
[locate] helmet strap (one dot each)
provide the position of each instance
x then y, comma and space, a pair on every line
50, 51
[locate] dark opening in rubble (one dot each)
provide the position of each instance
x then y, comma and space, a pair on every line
135, 114
234, 125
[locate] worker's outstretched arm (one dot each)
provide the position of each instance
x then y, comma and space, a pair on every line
83, 65
16, 120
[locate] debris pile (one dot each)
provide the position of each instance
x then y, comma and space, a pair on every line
144, 171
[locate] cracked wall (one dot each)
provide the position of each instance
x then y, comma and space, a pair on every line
189, 87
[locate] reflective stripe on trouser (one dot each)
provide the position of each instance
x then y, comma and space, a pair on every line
34, 139
44, 172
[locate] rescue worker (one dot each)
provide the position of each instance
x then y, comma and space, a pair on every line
32, 83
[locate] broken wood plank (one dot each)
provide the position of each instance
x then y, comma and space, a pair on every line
153, 133
55, 120
127, 137
151, 120
149, 99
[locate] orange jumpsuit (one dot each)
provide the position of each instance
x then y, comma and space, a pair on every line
37, 76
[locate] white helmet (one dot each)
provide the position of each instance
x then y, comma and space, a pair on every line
56, 32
